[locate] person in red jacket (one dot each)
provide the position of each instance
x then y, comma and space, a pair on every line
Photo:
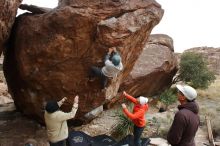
138, 115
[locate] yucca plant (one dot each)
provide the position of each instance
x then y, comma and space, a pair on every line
123, 126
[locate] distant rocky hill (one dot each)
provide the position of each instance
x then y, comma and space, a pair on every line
211, 54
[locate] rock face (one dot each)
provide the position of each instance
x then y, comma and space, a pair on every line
154, 69
212, 55
4, 96
8, 11
51, 53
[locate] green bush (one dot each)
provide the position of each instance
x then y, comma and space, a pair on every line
123, 126
194, 71
168, 97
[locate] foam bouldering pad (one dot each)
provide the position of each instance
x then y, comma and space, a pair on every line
104, 140
129, 141
78, 138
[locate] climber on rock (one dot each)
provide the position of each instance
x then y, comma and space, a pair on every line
112, 67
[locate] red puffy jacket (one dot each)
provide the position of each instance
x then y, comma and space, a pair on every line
138, 115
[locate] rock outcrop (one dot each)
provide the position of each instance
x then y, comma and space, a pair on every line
8, 11
51, 53
154, 70
212, 55
34, 9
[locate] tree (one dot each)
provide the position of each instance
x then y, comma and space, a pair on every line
194, 71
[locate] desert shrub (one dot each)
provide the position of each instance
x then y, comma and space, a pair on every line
212, 91
157, 124
168, 97
194, 71
161, 125
216, 126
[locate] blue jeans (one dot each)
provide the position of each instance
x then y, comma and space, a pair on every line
137, 135
59, 143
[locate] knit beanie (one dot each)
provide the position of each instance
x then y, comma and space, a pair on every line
143, 100
51, 106
116, 59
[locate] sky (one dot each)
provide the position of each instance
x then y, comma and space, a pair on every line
190, 23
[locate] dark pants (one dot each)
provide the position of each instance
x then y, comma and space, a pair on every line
59, 143
97, 72
137, 135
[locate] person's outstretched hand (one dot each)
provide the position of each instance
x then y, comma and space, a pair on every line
114, 49
124, 93
76, 99
63, 100
110, 50
123, 105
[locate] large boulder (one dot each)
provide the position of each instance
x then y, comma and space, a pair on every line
155, 68
8, 11
50, 53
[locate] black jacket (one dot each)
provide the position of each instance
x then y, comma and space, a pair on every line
184, 126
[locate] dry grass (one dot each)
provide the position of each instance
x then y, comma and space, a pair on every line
212, 92
208, 101
216, 127
209, 105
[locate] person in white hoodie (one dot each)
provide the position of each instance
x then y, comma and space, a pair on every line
56, 121
111, 69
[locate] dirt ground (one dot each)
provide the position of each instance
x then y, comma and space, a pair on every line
16, 129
